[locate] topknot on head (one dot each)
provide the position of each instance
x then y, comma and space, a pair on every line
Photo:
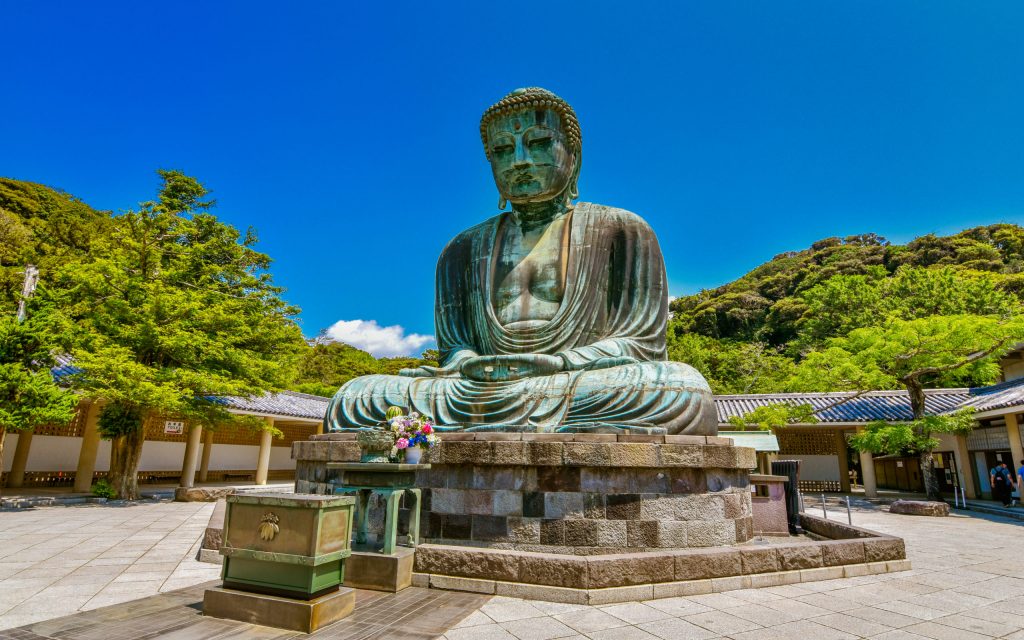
534, 98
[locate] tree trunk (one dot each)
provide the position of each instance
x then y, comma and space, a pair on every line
931, 481
125, 453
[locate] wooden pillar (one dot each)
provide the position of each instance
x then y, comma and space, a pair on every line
188, 465
844, 463
90, 444
1012, 430
867, 474
16, 478
204, 466
263, 463
965, 467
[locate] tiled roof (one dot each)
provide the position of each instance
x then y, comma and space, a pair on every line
63, 367
282, 403
829, 407
998, 396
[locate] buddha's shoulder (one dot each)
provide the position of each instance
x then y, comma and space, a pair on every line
467, 237
606, 215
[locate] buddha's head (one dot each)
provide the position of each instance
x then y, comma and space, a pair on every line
532, 140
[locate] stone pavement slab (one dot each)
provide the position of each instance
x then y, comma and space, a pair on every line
964, 586
967, 583
58, 560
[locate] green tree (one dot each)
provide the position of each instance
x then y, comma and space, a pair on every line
774, 416
913, 354
29, 395
911, 438
732, 366
174, 309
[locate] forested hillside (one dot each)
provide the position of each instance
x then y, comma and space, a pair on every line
747, 336
44, 227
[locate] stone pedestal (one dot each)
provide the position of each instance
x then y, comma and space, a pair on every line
274, 611
379, 572
568, 493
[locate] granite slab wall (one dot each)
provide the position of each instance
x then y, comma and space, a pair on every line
568, 493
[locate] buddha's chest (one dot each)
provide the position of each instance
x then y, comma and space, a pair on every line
529, 275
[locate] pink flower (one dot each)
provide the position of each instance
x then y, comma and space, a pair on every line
402, 443
427, 430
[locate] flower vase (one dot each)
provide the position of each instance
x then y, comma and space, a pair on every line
413, 455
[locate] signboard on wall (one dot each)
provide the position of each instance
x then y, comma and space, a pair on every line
174, 427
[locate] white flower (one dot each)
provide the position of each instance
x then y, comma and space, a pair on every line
431, 439
414, 415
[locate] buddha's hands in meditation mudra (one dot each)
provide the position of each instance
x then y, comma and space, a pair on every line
511, 367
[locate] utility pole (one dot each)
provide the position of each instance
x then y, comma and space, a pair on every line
31, 280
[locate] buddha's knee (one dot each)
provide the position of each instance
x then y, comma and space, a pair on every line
670, 395
651, 376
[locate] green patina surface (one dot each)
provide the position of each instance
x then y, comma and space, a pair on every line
292, 545
549, 317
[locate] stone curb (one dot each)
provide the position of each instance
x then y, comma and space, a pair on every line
652, 591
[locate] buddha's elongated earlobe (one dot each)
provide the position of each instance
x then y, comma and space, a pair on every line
502, 203
572, 192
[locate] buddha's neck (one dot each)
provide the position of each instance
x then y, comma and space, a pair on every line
536, 215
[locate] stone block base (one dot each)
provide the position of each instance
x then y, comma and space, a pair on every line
281, 613
379, 572
568, 493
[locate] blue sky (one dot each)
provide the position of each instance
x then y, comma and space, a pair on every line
346, 132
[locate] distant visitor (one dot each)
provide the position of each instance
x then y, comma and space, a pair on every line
549, 317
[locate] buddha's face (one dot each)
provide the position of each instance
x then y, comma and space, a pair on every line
530, 156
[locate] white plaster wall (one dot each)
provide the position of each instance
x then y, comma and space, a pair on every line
1013, 370
162, 456
816, 467
10, 442
60, 453
54, 453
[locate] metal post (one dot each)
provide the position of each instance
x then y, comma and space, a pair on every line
824, 511
849, 516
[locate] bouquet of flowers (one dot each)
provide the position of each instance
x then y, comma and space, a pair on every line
412, 432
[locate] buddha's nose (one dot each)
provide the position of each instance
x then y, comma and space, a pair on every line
522, 159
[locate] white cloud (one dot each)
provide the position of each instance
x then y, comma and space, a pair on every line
380, 341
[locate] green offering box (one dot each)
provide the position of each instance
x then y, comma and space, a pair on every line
286, 545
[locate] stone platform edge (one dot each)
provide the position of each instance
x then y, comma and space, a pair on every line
652, 591
553, 449
602, 579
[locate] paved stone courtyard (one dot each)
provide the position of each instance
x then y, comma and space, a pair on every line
967, 584
55, 561
59, 560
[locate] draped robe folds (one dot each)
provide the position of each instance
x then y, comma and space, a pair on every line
615, 305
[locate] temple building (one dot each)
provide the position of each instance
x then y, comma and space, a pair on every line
828, 464
174, 451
